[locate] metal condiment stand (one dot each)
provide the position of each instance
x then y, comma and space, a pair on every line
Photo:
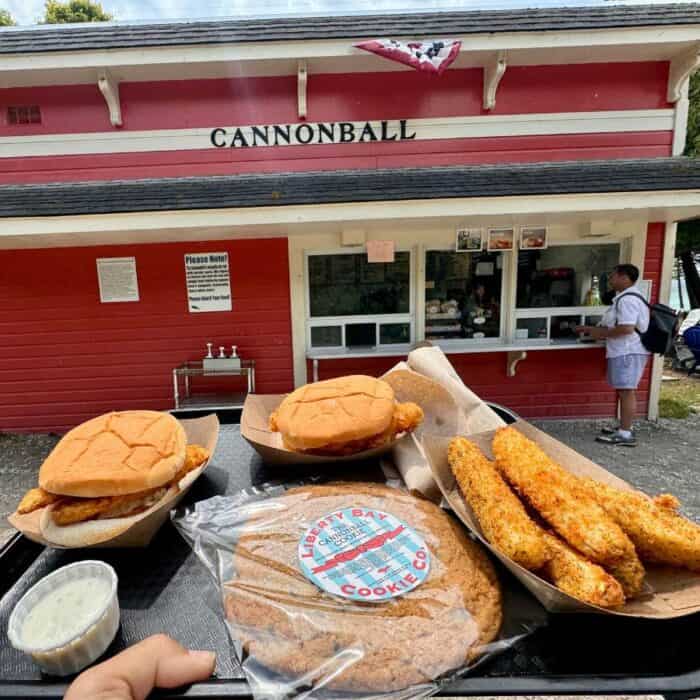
212, 366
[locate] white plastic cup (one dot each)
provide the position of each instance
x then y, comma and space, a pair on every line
85, 644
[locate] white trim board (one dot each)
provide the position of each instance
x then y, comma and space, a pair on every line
649, 206
544, 124
673, 38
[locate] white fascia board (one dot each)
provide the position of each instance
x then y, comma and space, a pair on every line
676, 204
643, 37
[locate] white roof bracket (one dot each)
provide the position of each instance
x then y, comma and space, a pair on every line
301, 88
109, 88
682, 66
493, 72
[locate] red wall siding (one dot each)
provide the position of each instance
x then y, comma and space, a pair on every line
427, 153
209, 103
178, 104
549, 383
65, 357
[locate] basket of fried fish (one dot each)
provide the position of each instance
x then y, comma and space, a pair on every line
579, 538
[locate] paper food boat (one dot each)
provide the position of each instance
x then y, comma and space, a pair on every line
669, 593
138, 530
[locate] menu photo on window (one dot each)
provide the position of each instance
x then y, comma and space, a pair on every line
469, 240
533, 237
501, 239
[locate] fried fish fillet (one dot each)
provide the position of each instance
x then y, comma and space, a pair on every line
577, 576
502, 516
561, 500
77, 510
660, 535
195, 456
407, 417
35, 499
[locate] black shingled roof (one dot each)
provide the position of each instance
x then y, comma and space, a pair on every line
340, 186
109, 36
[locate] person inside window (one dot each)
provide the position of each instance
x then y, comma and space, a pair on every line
480, 311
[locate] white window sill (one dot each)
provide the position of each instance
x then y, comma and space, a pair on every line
450, 349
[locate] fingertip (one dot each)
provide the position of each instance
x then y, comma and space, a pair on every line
207, 659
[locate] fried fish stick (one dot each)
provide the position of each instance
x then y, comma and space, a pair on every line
660, 535
501, 515
559, 499
577, 576
35, 499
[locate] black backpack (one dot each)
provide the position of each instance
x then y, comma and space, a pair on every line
663, 326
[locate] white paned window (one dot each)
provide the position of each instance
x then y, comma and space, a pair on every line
352, 303
553, 290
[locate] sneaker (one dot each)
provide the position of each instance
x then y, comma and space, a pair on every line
617, 439
609, 430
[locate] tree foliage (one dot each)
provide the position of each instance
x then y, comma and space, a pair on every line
688, 237
692, 144
6, 19
71, 11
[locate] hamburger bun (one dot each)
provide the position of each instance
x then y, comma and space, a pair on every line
335, 412
115, 454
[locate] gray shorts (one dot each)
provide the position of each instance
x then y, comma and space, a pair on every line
625, 372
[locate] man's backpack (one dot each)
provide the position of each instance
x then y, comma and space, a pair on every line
663, 326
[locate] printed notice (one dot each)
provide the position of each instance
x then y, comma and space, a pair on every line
208, 282
117, 279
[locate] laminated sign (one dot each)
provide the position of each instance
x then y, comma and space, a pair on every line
208, 282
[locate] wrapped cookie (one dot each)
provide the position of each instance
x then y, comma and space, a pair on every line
352, 588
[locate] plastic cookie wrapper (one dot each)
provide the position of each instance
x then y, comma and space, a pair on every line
352, 589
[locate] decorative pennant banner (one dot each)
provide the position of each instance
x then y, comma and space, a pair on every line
429, 56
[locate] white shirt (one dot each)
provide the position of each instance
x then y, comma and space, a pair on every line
626, 312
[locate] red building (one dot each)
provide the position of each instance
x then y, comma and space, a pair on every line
278, 143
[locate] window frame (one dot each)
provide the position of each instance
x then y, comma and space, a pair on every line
378, 319
549, 311
451, 343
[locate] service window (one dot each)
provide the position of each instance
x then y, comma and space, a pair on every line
561, 276
463, 295
353, 303
554, 290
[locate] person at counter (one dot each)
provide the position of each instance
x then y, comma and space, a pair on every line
627, 317
480, 312
156, 662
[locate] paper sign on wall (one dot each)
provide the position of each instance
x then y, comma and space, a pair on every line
117, 279
380, 251
208, 282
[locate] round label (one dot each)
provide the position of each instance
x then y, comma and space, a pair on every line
363, 554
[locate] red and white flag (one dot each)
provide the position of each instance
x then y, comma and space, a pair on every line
429, 56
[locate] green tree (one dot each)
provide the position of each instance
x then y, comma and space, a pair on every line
692, 144
57, 12
6, 19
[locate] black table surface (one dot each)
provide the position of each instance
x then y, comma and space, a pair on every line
163, 588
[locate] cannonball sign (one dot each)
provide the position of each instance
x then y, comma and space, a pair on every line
311, 133
363, 554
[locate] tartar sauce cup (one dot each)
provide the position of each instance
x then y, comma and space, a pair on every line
67, 620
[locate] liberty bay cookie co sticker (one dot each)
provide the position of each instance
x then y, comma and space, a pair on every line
363, 554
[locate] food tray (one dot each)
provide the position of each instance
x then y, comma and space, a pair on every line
164, 589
